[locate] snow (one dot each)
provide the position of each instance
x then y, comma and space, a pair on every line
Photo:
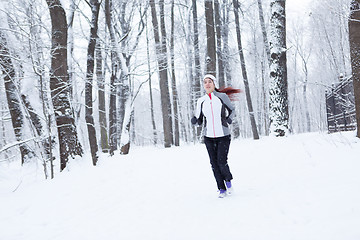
297, 187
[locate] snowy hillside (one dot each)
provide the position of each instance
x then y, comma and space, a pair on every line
302, 187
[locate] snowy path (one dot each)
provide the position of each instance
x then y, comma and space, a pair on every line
309, 191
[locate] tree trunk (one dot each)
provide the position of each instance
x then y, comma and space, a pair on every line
37, 57
123, 86
33, 116
36, 122
101, 101
70, 48
125, 52
43, 142
152, 112
278, 89
150, 89
95, 7
244, 73
197, 77
210, 36
17, 118
125, 135
49, 141
196, 82
112, 112
126, 117
306, 105
163, 67
113, 80
173, 79
3, 126
264, 98
219, 26
267, 52
263, 30
225, 36
59, 85
354, 38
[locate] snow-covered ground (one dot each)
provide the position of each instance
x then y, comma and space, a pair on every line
301, 187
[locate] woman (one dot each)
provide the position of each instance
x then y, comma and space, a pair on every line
217, 110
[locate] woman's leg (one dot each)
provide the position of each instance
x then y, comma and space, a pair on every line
212, 148
222, 153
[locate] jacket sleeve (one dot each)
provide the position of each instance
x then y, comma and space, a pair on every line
229, 106
198, 118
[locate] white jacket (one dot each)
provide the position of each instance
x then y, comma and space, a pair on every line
217, 109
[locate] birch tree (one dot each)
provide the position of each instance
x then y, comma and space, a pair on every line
278, 92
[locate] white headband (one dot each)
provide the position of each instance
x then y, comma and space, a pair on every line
212, 77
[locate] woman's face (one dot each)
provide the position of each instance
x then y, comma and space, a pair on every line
209, 85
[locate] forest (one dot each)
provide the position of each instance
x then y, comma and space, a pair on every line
102, 76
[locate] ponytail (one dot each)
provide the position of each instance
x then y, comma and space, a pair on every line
230, 92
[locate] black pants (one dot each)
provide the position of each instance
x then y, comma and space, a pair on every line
218, 149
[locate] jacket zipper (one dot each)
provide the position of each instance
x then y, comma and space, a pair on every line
212, 112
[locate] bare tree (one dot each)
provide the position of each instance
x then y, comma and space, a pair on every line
219, 51
173, 79
95, 7
244, 73
124, 91
113, 79
162, 66
59, 85
150, 88
304, 52
278, 110
128, 47
70, 48
210, 38
267, 52
263, 30
101, 96
12, 95
225, 36
197, 77
354, 37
